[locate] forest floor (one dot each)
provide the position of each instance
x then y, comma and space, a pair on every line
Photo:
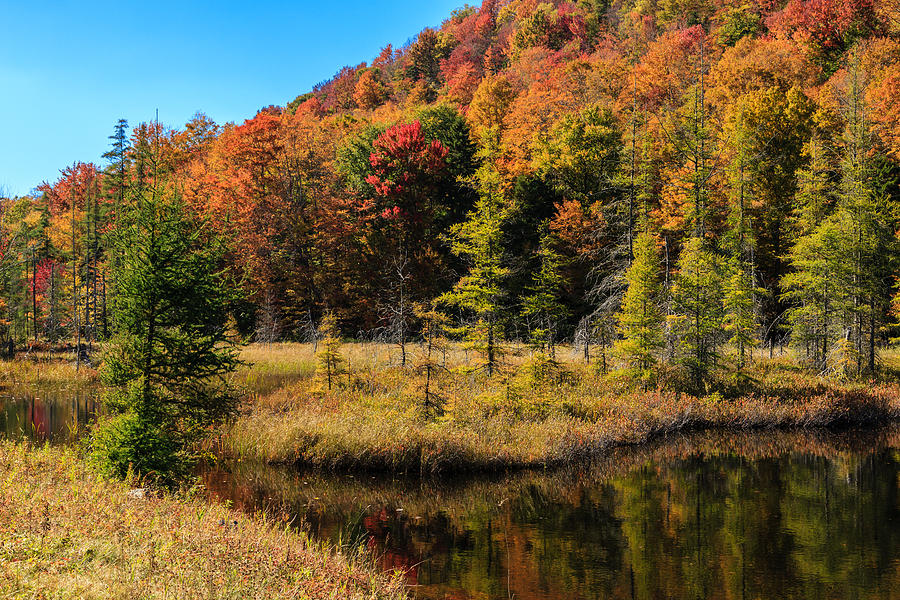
67, 533
530, 415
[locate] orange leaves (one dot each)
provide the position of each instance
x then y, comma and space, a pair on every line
370, 91
885, 101
828, 24
74, 185
671, 66
576, 226
758, 64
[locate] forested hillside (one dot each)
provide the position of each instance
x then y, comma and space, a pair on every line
651, 180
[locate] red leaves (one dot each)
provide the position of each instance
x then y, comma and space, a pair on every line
74, 185
403, 157
40, 279
827, 23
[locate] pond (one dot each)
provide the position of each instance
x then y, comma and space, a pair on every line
704, 516
55, 416
760, 515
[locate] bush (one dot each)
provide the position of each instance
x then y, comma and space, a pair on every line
130, 443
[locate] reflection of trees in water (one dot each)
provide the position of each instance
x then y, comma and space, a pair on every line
805, 515
52, 416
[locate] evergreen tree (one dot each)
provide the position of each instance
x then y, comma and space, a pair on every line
168, 361
117, 172
871, 249
815, 195
696, 317
640, 320
431, 360
330, 364
740, 289
480, 293
844, 268
818, 288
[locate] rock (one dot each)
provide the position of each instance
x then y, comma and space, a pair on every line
138, 494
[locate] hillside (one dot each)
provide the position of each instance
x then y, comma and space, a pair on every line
524, 162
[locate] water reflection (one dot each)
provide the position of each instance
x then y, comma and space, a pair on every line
709, 516
57, 417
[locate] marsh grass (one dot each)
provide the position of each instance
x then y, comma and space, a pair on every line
66, 533
528, 416
47, 371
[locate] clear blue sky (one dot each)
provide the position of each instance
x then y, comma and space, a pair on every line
69, 70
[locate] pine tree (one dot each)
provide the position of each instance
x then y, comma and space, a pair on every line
815, 197
697, 317
168, 361
740, 291
431, 360
640, 320
330, 365
818, 287
844, 268
872, 251
116, 182
115, 185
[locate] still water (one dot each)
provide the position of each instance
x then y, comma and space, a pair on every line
763, 515
54, 416
706, 516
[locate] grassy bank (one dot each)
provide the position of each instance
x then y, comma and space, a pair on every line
526, 417
65, 533
47, 370
284, 489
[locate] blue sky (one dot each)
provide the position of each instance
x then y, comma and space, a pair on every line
69, 70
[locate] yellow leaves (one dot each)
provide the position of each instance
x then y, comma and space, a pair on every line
491, 102
759, 64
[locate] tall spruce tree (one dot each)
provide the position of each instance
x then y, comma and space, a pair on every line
171, 352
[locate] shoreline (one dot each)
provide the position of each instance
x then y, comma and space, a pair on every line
347, 443
67, 532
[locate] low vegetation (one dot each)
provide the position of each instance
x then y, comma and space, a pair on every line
67, 533
537, 412
46, 369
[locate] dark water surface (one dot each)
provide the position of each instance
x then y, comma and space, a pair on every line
54, 416
706, 516
762, 515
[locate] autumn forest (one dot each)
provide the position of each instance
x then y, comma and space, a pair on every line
575, 253
650, 181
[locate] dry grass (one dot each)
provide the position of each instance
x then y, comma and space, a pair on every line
521, 420
66, 533
46, 370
